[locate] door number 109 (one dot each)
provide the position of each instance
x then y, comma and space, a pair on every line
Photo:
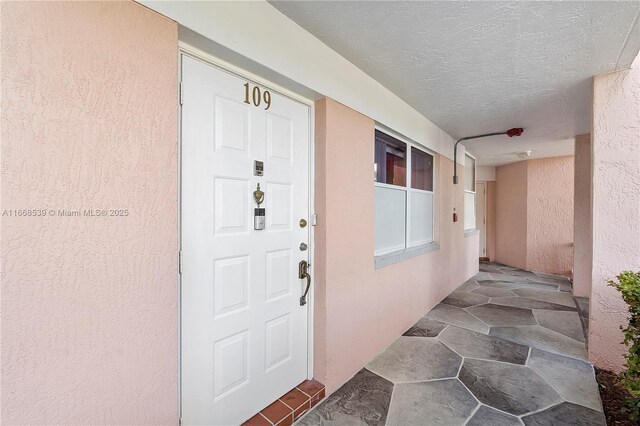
256, 96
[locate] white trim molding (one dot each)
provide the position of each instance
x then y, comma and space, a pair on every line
258, 33
400, 255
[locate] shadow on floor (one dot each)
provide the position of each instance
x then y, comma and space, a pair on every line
507, 347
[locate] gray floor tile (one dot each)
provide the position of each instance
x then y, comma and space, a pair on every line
583, 304
502, 315
523, 274
363, 400
487, 268
507, 278
333, 415
410, 360
554, 383
542, 338
520, 302
564, 322
442, 402
497, 272
425, 328
498, 284
458, 317
468, 285
582, 299
486, 416
464, 299
482, 276
514, 389
551, 276
505, 267
556, 282
558, 298
470, 344
553, 279
493, 292
574, 380
566, 414
536, 286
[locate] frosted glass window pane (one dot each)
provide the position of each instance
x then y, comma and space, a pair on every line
390, 214
421, 218
469, 210
469, 173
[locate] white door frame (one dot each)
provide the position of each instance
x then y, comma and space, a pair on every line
483, 230
185, 49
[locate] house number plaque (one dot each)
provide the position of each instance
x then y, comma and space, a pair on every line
255, 96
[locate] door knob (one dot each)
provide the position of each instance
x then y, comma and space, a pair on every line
303, 273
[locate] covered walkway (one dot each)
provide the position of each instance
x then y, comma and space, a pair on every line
507, 347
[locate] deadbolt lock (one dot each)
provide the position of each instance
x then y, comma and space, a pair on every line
302, 223
303, 246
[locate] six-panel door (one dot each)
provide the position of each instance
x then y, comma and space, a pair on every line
244, 333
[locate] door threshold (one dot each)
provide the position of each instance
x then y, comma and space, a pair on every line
290, 406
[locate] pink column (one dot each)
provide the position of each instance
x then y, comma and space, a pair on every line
511, 214
550, 215
616, 207
582, 225
534, 215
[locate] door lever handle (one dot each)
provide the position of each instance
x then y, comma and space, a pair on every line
303, 273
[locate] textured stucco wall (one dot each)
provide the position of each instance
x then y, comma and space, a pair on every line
89, 304
359, 310
511, 214
616, 207
550, 215
485, 173
534, 215
582, 226
491, 220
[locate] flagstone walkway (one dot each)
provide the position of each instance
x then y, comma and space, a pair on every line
506, 348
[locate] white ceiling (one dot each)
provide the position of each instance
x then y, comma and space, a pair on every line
486, 66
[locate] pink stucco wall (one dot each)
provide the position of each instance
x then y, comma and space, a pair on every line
511, 214
616, 207
89, 304
359, 310
550, 215
582, 226
491, 220
534, 215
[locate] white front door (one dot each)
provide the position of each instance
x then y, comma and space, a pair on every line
244, 331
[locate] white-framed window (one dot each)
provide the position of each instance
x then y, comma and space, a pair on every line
404, 182
469, 193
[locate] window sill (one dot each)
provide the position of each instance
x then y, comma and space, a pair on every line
470, 232
400, 255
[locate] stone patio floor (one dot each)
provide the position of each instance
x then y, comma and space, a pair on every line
506, 348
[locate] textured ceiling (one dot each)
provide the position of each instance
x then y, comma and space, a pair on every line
480, 67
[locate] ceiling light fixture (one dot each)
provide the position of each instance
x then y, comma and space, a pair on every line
524, 154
